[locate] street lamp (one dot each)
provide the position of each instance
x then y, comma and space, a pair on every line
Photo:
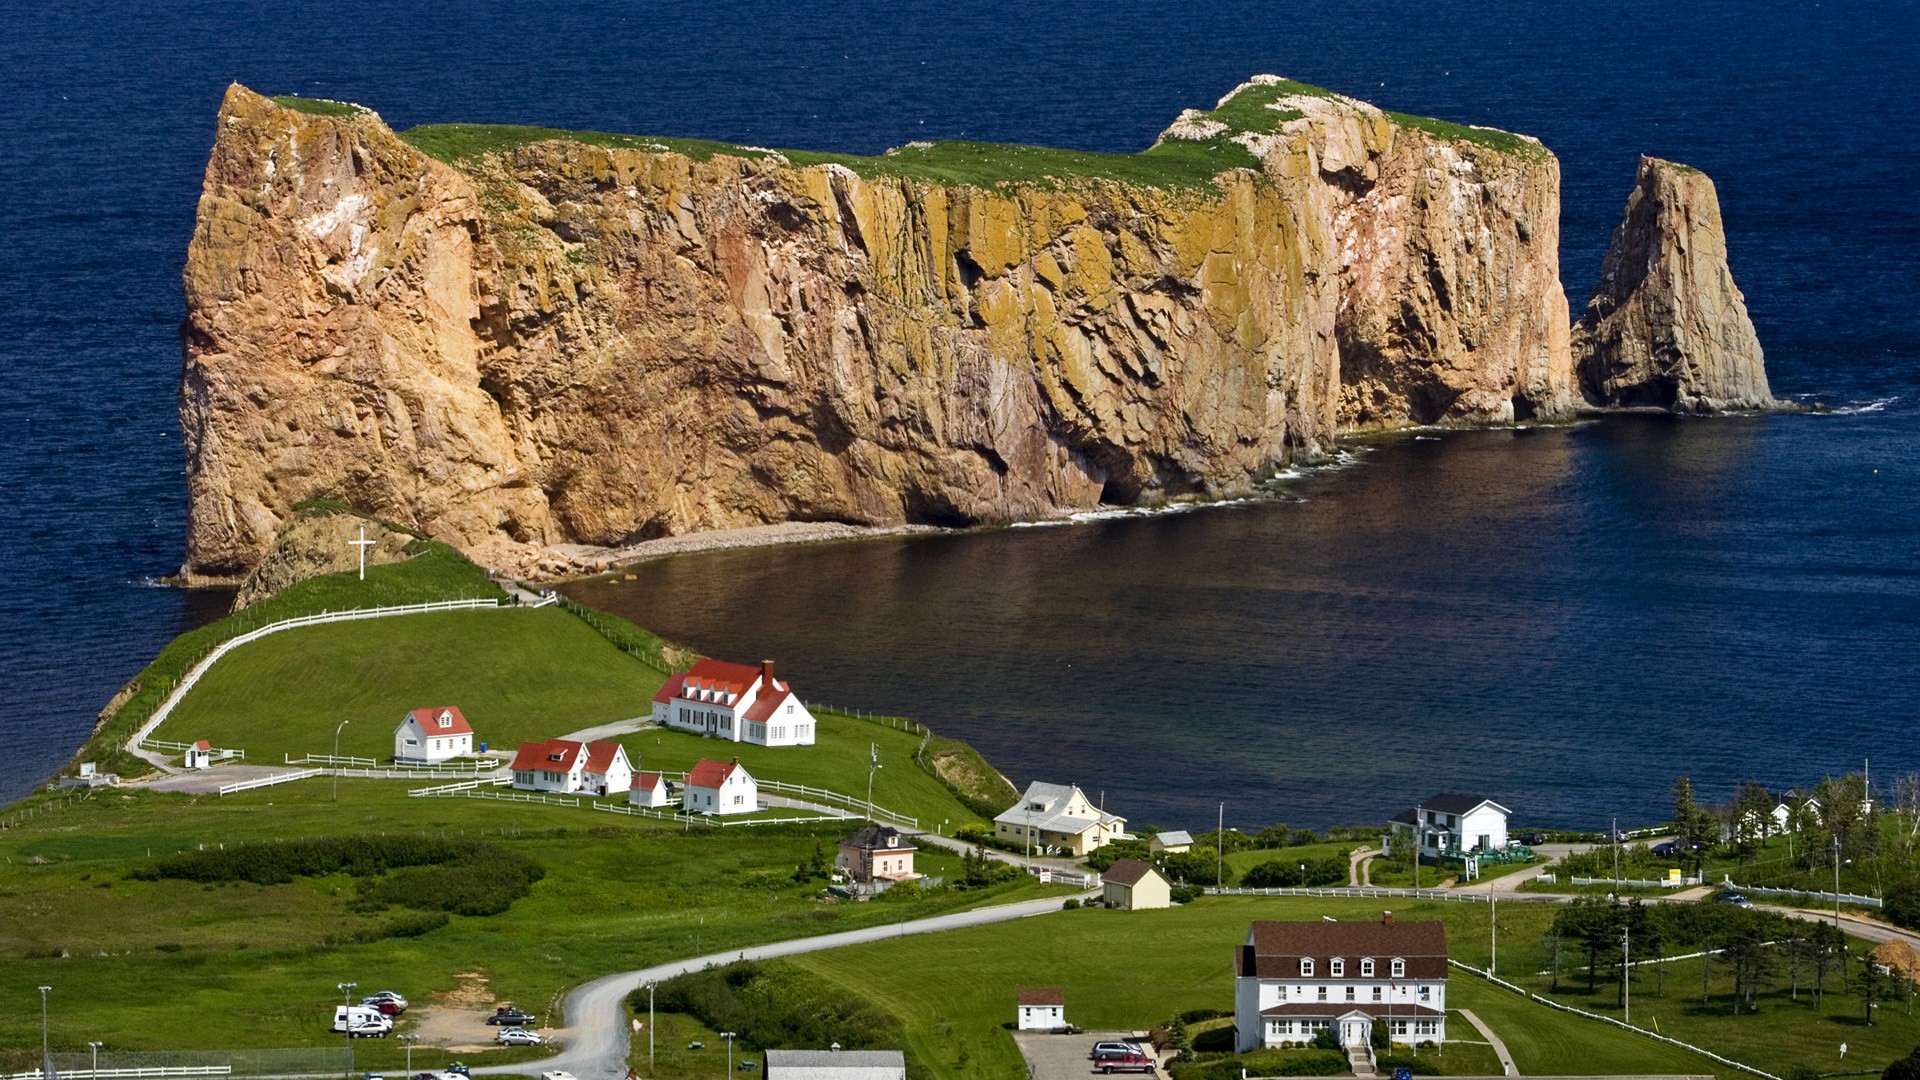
729, 1036
45, 1058
347, 989
649, 1029
95, 1047
409, 1040
336, 765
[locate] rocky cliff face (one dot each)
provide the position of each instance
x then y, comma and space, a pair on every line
1667, 328
318, 542
597, 340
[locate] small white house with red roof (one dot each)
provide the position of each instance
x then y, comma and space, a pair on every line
720, 788
565, 767
736, 702
649, 789
430, 736
200, 755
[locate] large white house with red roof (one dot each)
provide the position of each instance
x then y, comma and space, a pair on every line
565, 767
719, 788
428, 736
736, 702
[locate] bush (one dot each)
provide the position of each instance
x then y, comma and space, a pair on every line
461, 876
1069, 904
1287, 874
1262, 1063
1185, 894
1906, 1068
904, 892
1325, 1039
1902, 905
1105, 856
487, 882
1194, 1016
769, 1010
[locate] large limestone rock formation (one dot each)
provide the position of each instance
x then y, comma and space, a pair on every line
1667, 327
316, 542
593, 341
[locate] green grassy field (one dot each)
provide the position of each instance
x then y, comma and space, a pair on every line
515, 673
177, 965
1130, 970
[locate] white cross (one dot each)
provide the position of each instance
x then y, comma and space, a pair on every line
363, 544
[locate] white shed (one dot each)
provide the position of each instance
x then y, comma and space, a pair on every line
200, 755
1041, 1009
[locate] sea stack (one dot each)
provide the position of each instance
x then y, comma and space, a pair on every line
1666, 327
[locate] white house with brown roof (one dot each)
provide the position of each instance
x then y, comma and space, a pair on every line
735, 702
1132, 885
719, 788
649, 789
430, 736
1453, 824
1041, 1009
1058, 816
1295, 979
565, 767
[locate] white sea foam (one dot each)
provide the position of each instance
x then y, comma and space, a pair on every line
1874, 406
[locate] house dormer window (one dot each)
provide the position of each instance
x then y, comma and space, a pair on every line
1306, 967
1366, 967
1336, 967
1399, 968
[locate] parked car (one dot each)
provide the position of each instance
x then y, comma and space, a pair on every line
508, 1016
385, 995
556, 1074
1728, 896
1134, 1062
372, 1076
518, 1036
1664, 849
1533, 839
459, 1069
1113, 1052
361, 1022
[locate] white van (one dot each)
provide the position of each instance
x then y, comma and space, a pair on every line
361, 1021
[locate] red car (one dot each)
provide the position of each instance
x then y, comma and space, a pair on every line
1130, 1063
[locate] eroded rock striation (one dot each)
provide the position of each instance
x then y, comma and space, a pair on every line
315, 542
1667, 328
528, 340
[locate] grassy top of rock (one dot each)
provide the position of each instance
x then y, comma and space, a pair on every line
318, 106
1204, 144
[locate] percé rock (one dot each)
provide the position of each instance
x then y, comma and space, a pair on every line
1667, 327
316, 542
595, 341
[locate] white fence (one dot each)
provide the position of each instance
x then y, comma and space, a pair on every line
1710, 1055
325, 759
1844, 898
851, 803
1635, 883
116, 1073
111, 1074
193, 676
460, 788
1371, 891
269, 781
1051, 876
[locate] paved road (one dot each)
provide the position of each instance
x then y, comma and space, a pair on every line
598, 1020
1499, 1048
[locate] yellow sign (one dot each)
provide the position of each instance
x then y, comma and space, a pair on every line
1673, 876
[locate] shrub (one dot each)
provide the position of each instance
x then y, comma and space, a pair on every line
1325, 1039
771, 1010
1902, 905
1194, 1016
1185, 894
1287, 873
904, 892
461, 876
485, 883
1106, 855
1069, 904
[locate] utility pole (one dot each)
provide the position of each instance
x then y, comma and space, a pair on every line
873, 763
649, 1029
346, 992
1836, 883
1626, 973
1614, 837
46, 1059
1220, 849
1493, 932
409, 1040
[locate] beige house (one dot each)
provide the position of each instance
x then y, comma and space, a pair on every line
1170, 843
1058, 817
1131, 885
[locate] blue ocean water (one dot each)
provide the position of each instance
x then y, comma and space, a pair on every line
1579, 613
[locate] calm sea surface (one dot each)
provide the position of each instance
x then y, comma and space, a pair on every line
1564, 618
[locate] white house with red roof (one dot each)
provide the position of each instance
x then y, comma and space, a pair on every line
200, 755
649, 789
736, 702
565, 767
719, 788
429, 736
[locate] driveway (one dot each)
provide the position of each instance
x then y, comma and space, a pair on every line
1064, 1057
208, 781
599, 1023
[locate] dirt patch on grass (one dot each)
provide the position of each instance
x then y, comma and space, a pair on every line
457, 1019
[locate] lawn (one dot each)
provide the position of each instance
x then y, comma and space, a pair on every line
1128, 970
516, 673
177, 965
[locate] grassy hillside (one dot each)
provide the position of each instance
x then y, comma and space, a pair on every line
515, 673
178, 965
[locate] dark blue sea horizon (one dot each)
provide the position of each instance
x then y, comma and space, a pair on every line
1575, 614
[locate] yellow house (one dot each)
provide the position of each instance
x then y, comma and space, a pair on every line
1131, 885
1058, 816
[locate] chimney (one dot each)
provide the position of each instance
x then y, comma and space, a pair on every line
1386, 918
766, 673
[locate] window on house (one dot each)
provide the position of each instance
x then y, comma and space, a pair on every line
1323, 993
1426, 992
1350, 991
1376, 993
1282, 992
1399, 968
1306, 967
1366, 967
1336, 967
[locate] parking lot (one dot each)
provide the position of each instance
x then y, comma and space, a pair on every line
1064, 1057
